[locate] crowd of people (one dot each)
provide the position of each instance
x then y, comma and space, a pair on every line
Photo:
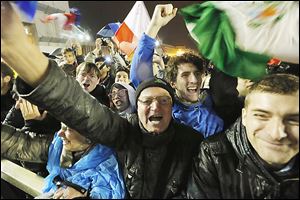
100, 126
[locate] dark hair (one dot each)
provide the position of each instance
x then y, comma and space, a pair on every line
187, 57
66, 50
6, 70
283, 67
277, 83
120, 68
285, 84
99, 59
88, 66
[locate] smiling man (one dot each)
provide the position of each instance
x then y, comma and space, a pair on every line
155, 152
258, 155
184, 73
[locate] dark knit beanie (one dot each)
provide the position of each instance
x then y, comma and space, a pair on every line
154, 82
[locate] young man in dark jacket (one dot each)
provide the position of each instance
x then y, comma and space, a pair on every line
154, 151
258, 157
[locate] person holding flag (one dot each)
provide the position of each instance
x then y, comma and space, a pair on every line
130, 31
241, 37
184, 73
155, 157
65, 20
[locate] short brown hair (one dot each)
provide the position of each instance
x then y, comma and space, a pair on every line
187, 57
88, 66
285, 84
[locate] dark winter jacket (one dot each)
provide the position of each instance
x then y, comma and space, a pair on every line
100, 94
227, 167
6, 103
48, 126
154, 166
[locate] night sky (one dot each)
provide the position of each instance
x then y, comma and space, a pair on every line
96, 14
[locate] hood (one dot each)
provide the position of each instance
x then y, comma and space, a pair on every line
131, 96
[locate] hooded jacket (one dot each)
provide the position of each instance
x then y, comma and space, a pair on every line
227, 167
100, 177
154, 166
131, 96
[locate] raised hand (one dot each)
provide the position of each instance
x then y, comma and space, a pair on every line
30, 111
17, 50
11, 28
161, 16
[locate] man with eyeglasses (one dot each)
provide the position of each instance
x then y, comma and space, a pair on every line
155, 152
122, 97
184, 73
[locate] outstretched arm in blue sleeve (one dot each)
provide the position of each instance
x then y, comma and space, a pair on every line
141, 66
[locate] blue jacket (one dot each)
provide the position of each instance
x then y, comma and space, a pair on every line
197, 116
98, 171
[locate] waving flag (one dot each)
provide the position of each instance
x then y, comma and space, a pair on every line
109, 30
132, 28
241, 37
65, 20
27, 8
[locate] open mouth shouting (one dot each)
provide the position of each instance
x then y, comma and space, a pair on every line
155, 119
86, 86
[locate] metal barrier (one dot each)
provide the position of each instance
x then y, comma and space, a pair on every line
21, 178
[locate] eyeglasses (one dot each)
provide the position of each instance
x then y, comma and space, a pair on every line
162, 100
120, 93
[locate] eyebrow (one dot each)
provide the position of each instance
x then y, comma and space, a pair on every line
260, 110
293, 115
267, 112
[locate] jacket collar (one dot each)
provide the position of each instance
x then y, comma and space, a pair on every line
150, 140
237, 136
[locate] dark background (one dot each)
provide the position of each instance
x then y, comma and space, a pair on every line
96, 14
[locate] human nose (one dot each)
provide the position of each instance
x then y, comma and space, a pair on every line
277, 130
87, 77
154, 104
193, 78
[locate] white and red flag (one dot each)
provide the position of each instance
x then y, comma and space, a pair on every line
132, 28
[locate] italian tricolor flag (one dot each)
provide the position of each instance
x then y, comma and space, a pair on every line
241, 37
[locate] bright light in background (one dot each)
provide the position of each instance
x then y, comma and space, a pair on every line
26, 30
108, 59
87, 37
179, 52
77, 34
81, 37
157, 43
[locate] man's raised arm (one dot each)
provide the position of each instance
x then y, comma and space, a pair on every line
16, 49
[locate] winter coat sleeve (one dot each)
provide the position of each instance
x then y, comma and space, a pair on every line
64, 98
203, 182
17, 145
141, 66
14, 118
